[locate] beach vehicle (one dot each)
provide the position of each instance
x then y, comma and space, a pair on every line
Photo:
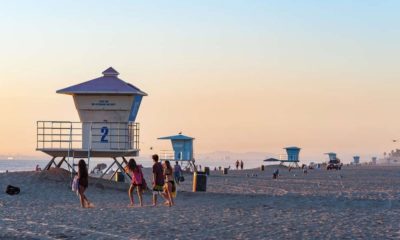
334, 162
334, 165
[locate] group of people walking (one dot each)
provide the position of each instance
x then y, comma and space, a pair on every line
164, 178
239, 164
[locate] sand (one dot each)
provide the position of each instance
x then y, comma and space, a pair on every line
355, 203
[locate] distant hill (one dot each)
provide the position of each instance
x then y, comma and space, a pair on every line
233, 156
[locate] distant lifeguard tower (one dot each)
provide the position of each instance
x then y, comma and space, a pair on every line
182, 151
291, 157
332, 157
107, 108
356, 160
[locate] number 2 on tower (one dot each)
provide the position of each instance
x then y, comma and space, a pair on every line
104, 131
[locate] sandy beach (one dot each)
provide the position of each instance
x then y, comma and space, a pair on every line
355, 203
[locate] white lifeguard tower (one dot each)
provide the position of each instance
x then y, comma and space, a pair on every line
182, 150
107, 108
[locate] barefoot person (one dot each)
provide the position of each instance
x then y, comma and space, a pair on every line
158, 179
137, 181
169, 184
83, 183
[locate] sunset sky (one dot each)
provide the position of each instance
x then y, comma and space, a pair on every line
237, 75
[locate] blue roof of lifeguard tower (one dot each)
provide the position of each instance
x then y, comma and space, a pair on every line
292, 148
328, 153
176, 137
109, 83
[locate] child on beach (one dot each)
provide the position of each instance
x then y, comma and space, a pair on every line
83, 183
158, 179
169, 184
137, 181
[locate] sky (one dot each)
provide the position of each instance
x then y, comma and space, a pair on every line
240, 76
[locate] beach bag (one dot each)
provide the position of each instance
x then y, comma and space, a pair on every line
11, 190
75, 184
181, 179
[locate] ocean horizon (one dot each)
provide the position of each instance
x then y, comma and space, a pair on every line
19, 165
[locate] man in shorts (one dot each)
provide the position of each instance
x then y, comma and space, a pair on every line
158, 179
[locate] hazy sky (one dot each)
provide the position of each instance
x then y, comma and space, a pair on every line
237, 75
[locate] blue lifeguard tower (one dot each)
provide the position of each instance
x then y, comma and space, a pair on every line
182, 150
356, 160
292, 154
107, 107
291, 157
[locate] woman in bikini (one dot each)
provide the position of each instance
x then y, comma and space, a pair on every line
83, 183
137, 181
169, 185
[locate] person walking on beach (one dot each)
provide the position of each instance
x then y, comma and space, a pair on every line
137, 181
169, 184
237, 164
83, 183
241, 164
177, 172
158, 178
275, 174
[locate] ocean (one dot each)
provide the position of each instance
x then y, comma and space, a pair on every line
30, 165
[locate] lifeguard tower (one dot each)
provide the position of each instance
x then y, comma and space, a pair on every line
332, 156
107, 108
356, 160
182, 151
291, 157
